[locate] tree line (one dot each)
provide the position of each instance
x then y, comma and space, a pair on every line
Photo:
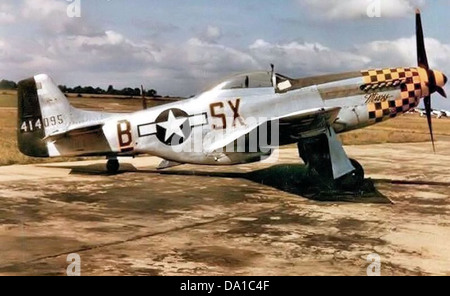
127, 91
7, 85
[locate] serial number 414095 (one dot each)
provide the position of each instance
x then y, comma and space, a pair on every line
35, 124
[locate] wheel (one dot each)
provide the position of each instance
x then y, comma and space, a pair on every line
354, 180
358, 173
112, 166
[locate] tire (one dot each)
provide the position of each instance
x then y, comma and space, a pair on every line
112, 166
354, 180
359, 170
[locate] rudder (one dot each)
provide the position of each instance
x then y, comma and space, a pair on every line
30, 132
42, 110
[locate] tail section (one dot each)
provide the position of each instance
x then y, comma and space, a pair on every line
42, 110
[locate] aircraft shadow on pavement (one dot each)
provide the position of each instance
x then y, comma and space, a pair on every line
293, 179
99, 169
290, 178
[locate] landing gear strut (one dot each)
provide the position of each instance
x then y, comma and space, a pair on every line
316, 156
113, 165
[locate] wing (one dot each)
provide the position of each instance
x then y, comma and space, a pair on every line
305, 123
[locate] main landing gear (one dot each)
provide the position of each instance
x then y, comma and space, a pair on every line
113, 165
315, 152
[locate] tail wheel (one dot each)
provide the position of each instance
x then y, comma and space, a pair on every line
113, 166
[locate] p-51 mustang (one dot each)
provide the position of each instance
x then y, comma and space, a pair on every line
442, 113
308, 111
436, 113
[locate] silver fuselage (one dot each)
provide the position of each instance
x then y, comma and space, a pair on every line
359, 108
195, 130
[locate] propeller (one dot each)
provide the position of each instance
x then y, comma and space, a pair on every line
144, 99
433, 84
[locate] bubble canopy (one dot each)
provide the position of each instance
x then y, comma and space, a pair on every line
247, 80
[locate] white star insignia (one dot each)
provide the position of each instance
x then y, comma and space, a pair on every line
173, 126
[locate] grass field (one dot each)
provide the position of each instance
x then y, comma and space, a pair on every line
8, 99
405, 129
410, 128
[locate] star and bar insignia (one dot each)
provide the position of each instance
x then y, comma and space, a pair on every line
173, 126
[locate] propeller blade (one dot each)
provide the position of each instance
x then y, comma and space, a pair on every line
144, 100
421, 51
422, 60
442, 92
428, 111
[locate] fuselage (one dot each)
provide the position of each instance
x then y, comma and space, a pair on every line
193, 130
365, 98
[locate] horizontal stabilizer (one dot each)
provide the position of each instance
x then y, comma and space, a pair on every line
75, 131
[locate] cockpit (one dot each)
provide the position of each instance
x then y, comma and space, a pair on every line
261, 79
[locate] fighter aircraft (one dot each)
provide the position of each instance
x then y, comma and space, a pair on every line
420, 111
443, 114
439, 114
216, 127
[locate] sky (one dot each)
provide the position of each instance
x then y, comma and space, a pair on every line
184, 47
